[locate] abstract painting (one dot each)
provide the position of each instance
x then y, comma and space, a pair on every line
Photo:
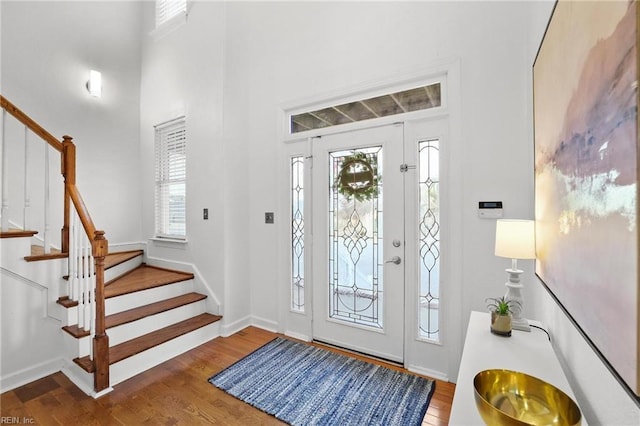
585, 79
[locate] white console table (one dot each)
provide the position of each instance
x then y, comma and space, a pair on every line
527, 352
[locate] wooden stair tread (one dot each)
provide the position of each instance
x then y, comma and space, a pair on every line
151, 309
116, 258
140, 344
37, 253
76, 331
17, 233
142, 278
158, 337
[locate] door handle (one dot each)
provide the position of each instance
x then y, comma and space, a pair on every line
394, 259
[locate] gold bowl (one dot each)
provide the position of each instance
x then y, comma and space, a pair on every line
505, 397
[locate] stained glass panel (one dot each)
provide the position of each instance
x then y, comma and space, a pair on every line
355, 236
429, 238
297, 234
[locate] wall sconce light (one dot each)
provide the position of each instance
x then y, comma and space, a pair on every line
94, 85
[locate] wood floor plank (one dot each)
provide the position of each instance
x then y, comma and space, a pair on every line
176, 392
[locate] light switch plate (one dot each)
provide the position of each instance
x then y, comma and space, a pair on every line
268, 217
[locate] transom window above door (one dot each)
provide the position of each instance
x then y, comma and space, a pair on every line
416, 99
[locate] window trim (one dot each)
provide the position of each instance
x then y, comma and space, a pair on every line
167, 10
365, 91
170, 24
176, 125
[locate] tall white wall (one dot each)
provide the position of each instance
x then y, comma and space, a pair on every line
47, 51
294, 51
182, 74
282, 52
229, 69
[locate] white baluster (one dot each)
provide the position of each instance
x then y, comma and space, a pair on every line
74, 253
46, 236
27, 200
4, 212
80, 282
92, 301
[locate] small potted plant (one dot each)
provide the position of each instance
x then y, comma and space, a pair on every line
501, 309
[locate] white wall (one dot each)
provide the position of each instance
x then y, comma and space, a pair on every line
603, 400
182, 74
294, 51
229, 69
48, 49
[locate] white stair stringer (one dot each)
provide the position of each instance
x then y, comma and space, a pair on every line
214, 305
81, 378
146, 325
145, 360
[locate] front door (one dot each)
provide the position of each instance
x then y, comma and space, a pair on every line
358, 240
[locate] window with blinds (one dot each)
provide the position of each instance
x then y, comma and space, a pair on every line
167, 9
170, 178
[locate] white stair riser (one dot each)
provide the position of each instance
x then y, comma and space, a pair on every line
122, 268
139, 298
143, 361
146, 325
74, 347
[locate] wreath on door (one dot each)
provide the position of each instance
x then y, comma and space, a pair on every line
358, 177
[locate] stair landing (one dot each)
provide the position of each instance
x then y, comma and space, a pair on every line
142, 278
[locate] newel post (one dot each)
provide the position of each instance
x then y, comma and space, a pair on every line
100, 248
68, 168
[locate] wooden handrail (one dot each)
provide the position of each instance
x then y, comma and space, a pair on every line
27, 121
83, 213
99, 244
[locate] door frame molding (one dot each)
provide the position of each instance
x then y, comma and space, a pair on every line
298, 325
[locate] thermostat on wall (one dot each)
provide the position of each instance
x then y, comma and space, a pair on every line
490, 209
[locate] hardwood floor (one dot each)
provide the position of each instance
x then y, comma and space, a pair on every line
173, 393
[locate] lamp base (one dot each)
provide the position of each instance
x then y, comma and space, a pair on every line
521, 324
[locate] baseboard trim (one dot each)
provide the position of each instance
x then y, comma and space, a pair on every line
28, 375
298, 336
264, 324
236, 326
427, 372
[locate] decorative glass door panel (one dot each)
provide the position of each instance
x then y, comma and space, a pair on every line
355, 235
358, 290
429, 235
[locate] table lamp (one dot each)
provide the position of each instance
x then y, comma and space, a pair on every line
515, 239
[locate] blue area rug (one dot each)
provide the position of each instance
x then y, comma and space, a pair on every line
306, 385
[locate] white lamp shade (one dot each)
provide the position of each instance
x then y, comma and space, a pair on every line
515, 239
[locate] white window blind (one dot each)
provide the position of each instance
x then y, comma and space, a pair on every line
167, 9
170, 176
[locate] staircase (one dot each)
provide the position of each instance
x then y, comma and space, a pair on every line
120, 314
152, 315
